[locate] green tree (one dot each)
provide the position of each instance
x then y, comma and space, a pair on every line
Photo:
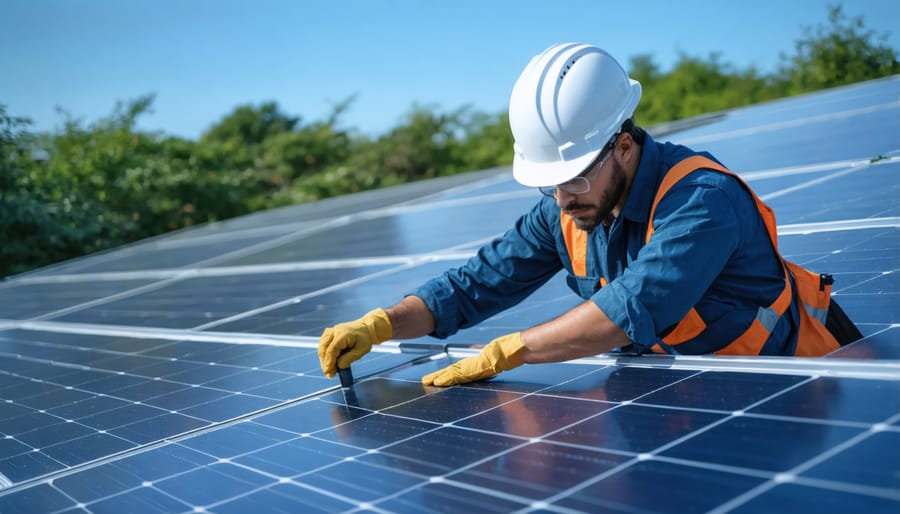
843, 52
93, 187
695, 86
422, 147
250, 125
487, 142
642, 69
41, 219
272, 150
427, 144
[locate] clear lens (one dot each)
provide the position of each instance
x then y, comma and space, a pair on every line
582, 183
576, 186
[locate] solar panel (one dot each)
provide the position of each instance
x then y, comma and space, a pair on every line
179, 374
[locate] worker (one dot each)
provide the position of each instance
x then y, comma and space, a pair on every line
671, 251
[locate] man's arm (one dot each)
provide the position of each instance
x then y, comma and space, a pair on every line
411, 318
501, 274
581, 332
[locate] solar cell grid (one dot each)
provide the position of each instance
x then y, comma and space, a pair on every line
478, 443
28, 301
816, 128
880, 344
159, 390
65, 405
175, 305
162, 256
310, 316
397, 233
857, 193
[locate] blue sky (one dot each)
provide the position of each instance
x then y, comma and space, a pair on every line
202, 58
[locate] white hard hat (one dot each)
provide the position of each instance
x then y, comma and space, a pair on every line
565, 106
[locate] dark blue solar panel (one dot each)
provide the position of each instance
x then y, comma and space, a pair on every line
176, 305
311, 316
66, 403
881, 343
830, 398
796, 442
793, 497
166, 254
817, 128
662, 486
864, 192
399, 440
402, 233
865, 265
25, 301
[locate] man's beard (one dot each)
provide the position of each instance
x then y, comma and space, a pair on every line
603, 212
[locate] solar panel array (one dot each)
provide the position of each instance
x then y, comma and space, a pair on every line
179, 374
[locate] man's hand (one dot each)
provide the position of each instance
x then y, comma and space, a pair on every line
502, 354
342, 344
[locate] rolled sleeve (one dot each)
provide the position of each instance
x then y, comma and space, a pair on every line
437, 294
625, 309
501, 275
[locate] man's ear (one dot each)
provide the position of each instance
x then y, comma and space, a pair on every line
624, 146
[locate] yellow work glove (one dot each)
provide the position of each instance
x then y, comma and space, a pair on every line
342, 344
502, 354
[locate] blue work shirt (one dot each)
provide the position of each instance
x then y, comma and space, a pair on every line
710, 250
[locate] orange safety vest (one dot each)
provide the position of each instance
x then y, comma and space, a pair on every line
813, 290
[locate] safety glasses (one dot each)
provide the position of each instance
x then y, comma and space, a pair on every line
582, 183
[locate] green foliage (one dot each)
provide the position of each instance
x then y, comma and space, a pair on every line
88, 188
842, 53
249, 125
422, 147
700, 86
40, 220
487, 143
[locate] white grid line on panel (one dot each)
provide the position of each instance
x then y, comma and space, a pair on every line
251, 269
872, 369
781, 125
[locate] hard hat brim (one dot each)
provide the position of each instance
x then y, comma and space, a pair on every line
543, 174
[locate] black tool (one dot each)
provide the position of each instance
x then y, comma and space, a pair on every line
346, 377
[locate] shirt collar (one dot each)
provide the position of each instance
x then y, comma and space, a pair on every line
643, 188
